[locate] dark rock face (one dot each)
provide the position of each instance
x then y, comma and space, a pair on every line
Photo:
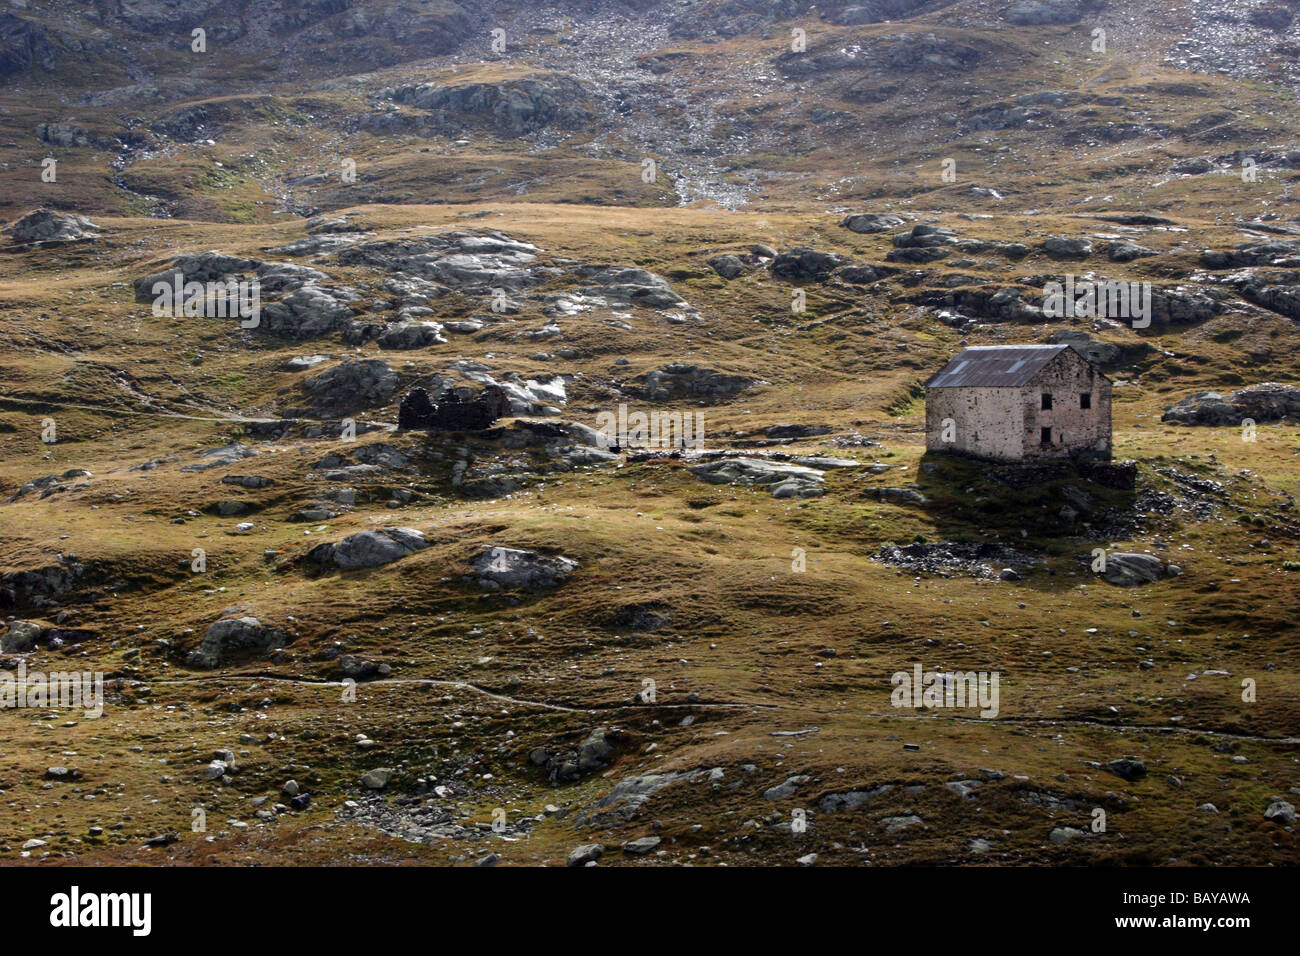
1048, 12
455, 412
352, 385
23, 45
43, 587
514, 107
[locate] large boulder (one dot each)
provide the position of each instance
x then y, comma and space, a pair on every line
805, 263
498, 568
371, 548
45, 225
922, 236
1129, 569
230, 634
21, 636
1274, 252
870, 222
1067, 247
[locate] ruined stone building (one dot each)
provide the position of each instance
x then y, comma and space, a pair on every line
1019, 403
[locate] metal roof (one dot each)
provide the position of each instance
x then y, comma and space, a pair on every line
995, 366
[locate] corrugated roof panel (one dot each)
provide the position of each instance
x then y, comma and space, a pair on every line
995, 366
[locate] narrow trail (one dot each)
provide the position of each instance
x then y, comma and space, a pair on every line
1077, 722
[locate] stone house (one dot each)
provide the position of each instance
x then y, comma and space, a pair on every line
1019, 403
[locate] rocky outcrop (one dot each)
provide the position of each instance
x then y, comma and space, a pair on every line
1104, 355
42, 587
568, 764
414, 334
466, 262
352, 385
782, 479
622, 287
1267, 402
511, 108
1274, 252
680, 380
1049, 12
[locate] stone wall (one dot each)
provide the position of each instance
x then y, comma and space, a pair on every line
988, 421
1075, 430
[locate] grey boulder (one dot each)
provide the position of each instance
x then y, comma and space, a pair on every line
499, 567
371, 548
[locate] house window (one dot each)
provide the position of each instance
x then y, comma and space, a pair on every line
1044, 436
1047, 401
1085, 400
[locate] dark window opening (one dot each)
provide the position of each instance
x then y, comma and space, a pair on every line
1047, 401
1044, 436
1085, 400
